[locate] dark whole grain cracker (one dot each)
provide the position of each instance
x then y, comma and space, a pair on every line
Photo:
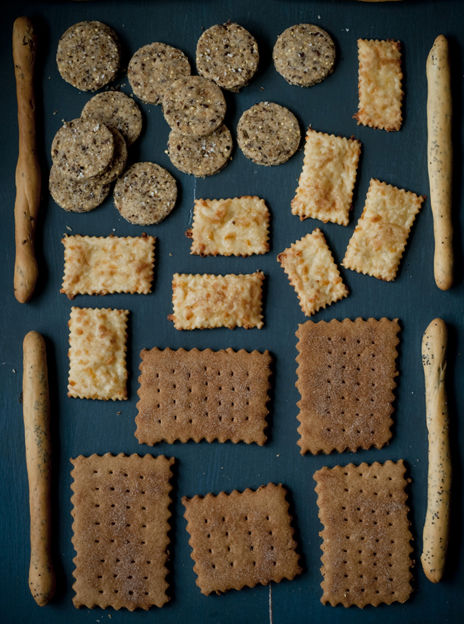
120, 530
116, 110
77, 195
366, 540
346, 377
202, 395
241, 539
200, 156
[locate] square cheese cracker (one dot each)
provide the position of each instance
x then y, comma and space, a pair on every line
381, 233
327, 179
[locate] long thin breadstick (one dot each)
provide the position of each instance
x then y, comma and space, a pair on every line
435, 536
440, 156
36, 412
28, 179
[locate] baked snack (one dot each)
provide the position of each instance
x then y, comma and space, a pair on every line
119, 160
77, 195
117, 111
200, 156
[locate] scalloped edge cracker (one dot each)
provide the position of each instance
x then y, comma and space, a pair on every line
97, 354
100, 265
312, 272
380, 84
241, 539
237, 226
327, 179
205, 301
380, 236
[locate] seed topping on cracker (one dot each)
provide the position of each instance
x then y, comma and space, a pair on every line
116, 110
200, 156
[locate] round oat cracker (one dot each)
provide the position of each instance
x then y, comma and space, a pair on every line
200, 156
116, 110
268, 134
76, 196
194, 106
117, 165
153, 68
304, 55
82, 148
145, 194
228, 55
88, 55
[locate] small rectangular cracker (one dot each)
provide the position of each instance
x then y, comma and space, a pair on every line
208, 301
327, 179
346, 378
97, 353
230, 227
380, 84
241, 539
312, 272
381, 234
120, 530
202, 395
99, 265
366, 540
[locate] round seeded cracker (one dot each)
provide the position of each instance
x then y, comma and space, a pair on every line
116, 110
200, 156
117, 165
76, 196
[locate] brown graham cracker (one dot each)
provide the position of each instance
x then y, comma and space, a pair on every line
366, 540
346, 377
202, 395
120, 525
241, 539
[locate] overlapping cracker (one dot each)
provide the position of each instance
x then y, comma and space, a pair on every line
230, 227
380, 84
97, 353
381, 234
346, 377
120, 530
312, 272
241, 539
97, 265
327, 179
366, 537
207, 301
203, 395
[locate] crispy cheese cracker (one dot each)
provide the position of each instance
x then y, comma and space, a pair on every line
379, 84
382, 231
312, 272
97, 265
230, 227
97, 353
327, 179
207, 301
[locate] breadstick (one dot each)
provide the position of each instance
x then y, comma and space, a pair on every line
440, 156
435, 536
36, 412
28, 179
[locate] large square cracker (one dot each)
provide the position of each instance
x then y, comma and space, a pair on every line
97, 353
120, 530
208, 301
366, 540
327, 179
312, 272
230, 227
379, 84
97, 265
203, 395
241, 539
346, 377
381, 234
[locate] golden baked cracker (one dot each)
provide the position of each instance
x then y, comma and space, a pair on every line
207, 301
203, 395
312, 272
230, 227
241, 539
327, 179
382, 231
379, 84
98, 265
97, 353
346, 377
366, 540
120, 530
